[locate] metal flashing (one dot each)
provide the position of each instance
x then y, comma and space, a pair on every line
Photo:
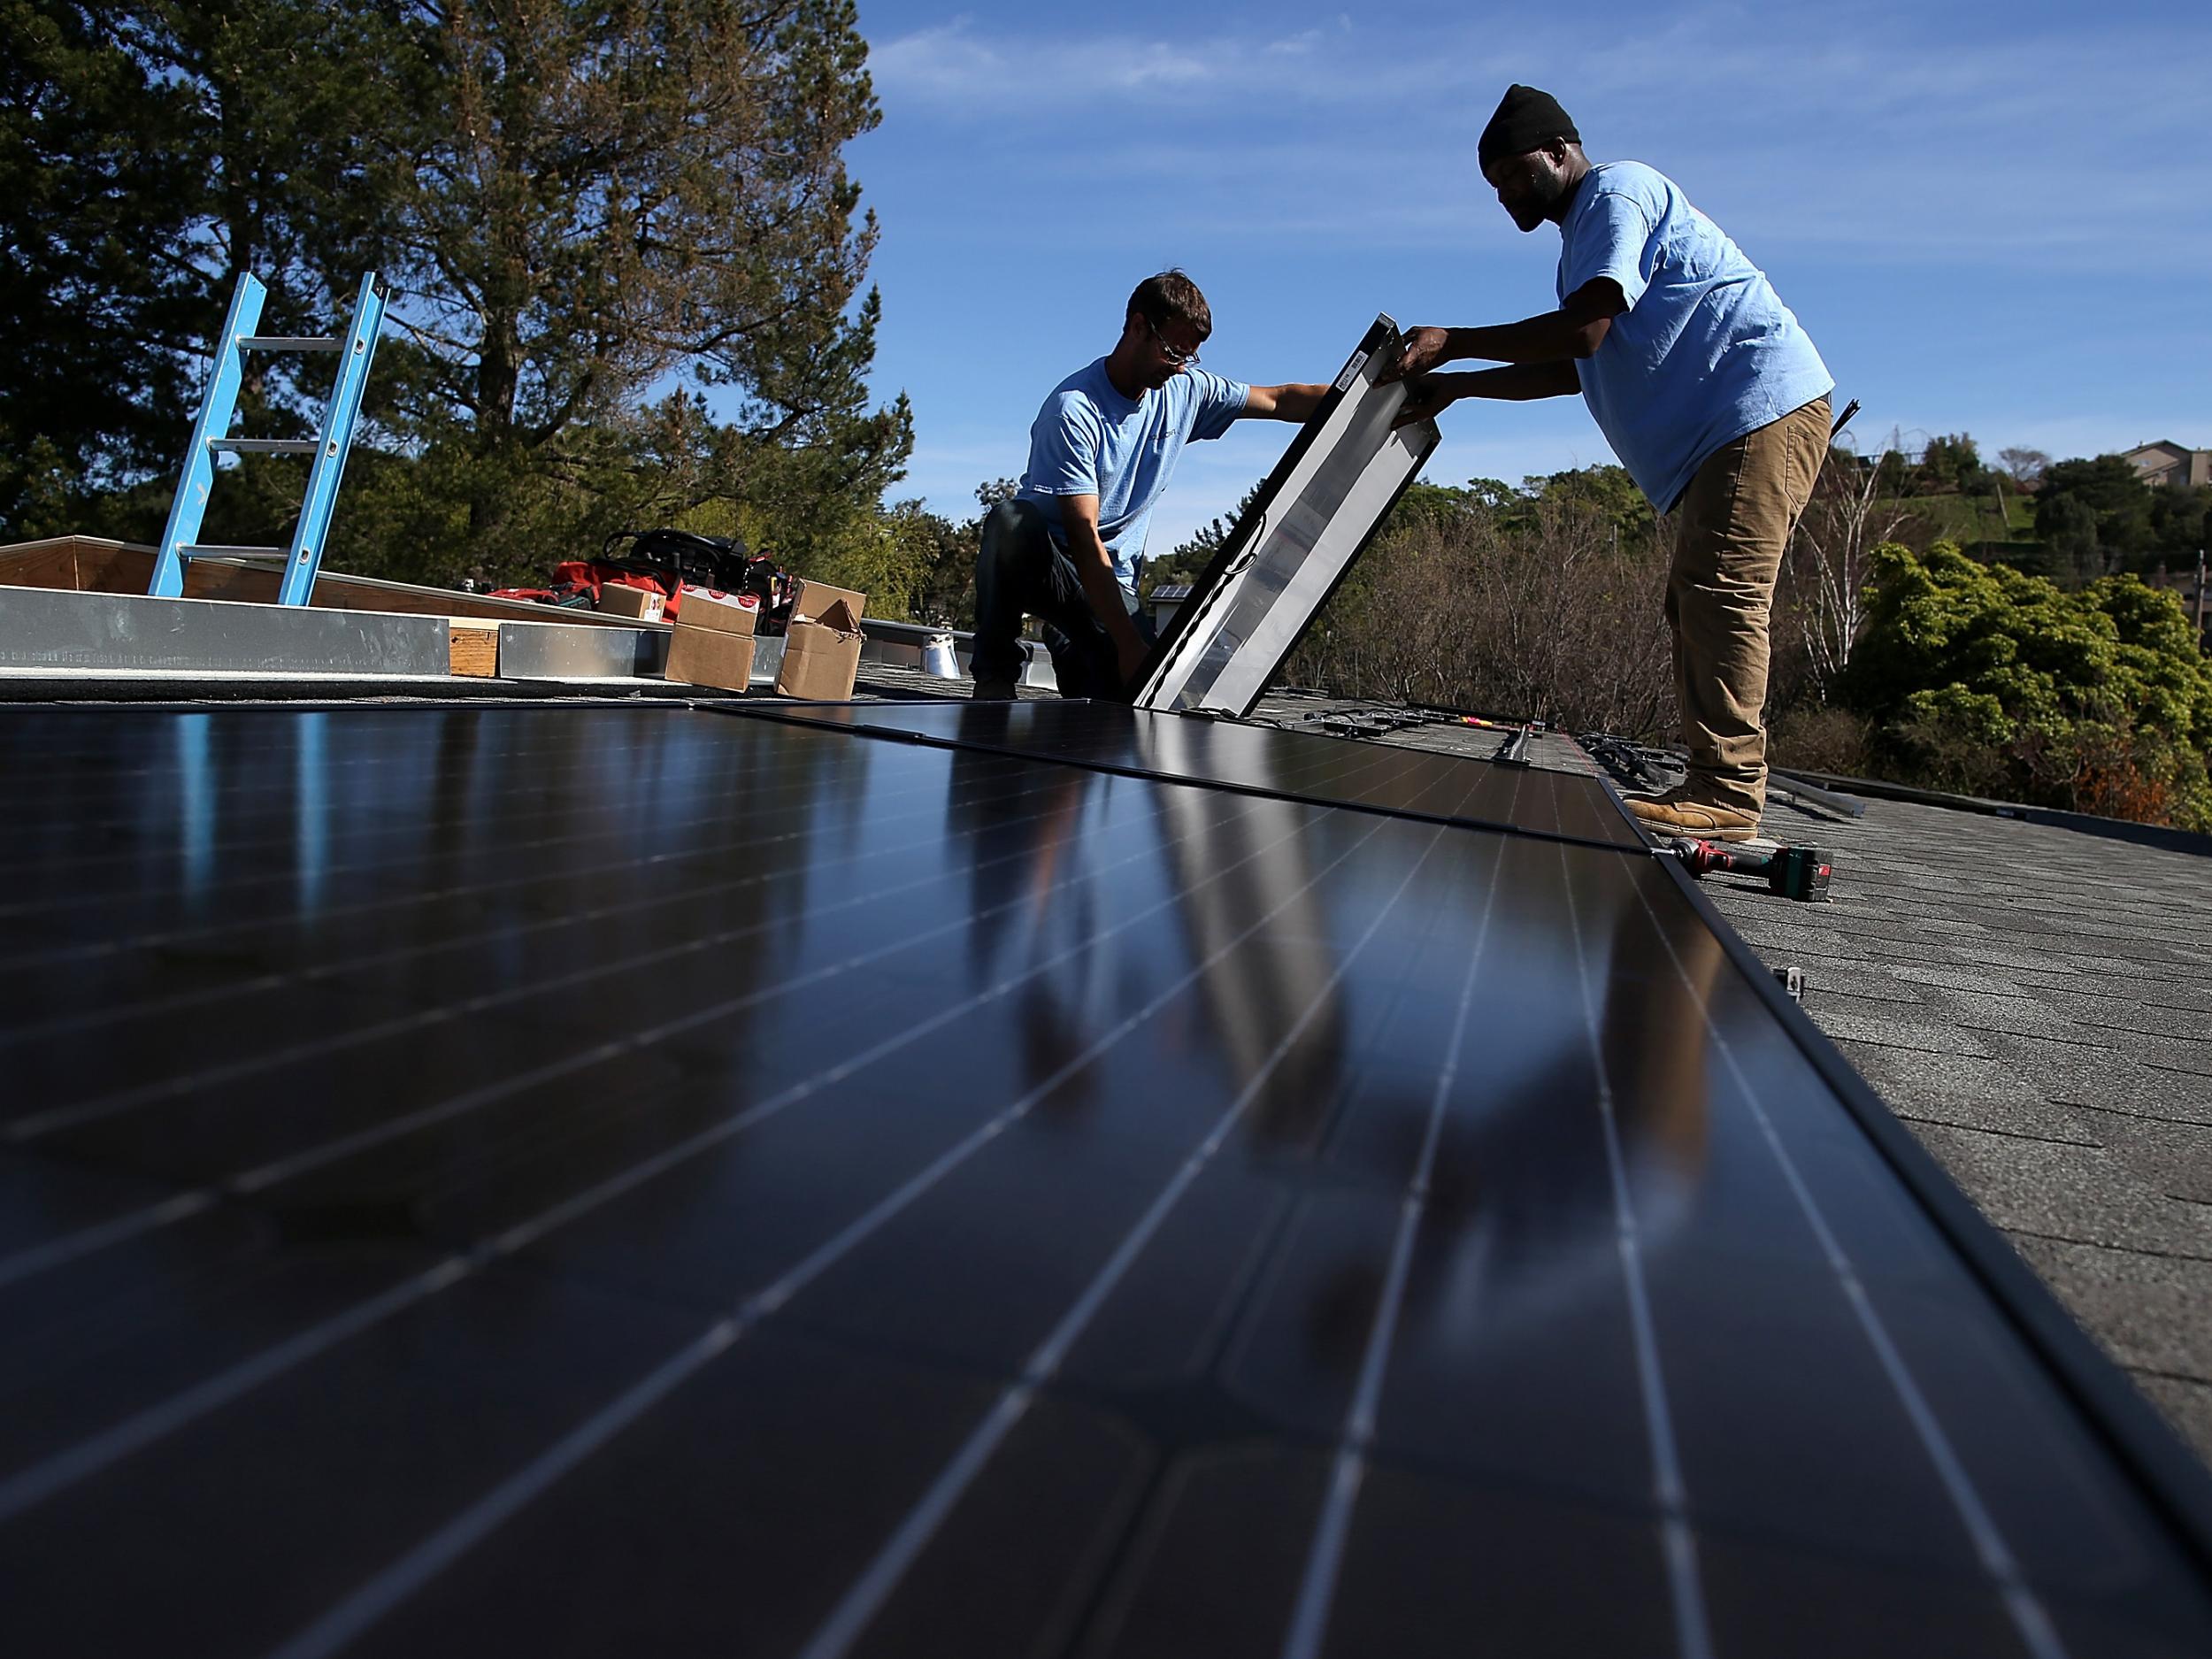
54, 628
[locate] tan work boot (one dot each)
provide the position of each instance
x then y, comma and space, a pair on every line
993, 688
1673, 815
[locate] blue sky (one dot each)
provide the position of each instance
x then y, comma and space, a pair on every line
1993, 219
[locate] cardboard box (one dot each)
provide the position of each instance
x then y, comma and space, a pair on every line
619, 599
821, 648
721, 613
712, 643
704, 656
473, 647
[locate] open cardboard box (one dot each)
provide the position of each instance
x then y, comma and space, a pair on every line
821, 648
712, 643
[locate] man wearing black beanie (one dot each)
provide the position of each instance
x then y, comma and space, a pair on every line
1706, 386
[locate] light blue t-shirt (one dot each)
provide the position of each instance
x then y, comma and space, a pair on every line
1705, 352
1089, 440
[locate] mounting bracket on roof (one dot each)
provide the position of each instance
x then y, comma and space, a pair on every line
1314, 515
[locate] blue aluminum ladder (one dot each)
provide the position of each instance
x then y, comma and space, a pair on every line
299, 562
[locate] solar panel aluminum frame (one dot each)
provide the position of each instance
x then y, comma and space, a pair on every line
1292, 548
2162, 1465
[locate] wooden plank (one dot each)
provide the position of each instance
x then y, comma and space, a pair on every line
44, 565
95, 564
475, 646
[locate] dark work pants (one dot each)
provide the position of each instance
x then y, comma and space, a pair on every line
1021, 571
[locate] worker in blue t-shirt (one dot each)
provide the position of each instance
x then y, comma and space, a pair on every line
1069, 547
1706, 386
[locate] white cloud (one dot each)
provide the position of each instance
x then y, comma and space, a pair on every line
1035, 79
1865, 139
1152, 64
1873, 137
944, 61
1987, 224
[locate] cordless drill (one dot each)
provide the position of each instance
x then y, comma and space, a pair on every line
1795, 872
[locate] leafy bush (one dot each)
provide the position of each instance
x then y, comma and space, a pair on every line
1986, 680
1542, 602
1816, 737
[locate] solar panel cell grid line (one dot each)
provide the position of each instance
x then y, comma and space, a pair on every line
1003, 1416
1316, 1589
172, 761
1692, 1350
66, 1247
73, 1114
84, 740
1693, 1636
2013, 1394
1213, 1144
1349, 775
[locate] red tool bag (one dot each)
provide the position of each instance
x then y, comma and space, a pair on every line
662, 561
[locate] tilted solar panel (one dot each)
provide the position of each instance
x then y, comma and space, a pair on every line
1303, 766
1293, 545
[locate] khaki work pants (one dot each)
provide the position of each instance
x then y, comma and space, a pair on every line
1735, 520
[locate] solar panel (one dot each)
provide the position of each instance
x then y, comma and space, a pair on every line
1297, 764
1294, 543
562, 1181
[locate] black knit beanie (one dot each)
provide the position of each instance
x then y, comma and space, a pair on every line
1526, 119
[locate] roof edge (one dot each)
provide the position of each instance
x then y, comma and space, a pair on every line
2163, 836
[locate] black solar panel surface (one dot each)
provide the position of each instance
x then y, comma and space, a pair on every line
1264, 758
587, 1181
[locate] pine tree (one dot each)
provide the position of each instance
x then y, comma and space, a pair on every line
95, 186
594, 205
596, 219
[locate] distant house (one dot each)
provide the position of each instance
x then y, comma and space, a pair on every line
2166, 461
1164, 600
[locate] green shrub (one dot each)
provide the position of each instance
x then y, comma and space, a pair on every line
1990, 680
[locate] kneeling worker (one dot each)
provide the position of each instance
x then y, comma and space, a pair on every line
1069, 547
1708, 389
